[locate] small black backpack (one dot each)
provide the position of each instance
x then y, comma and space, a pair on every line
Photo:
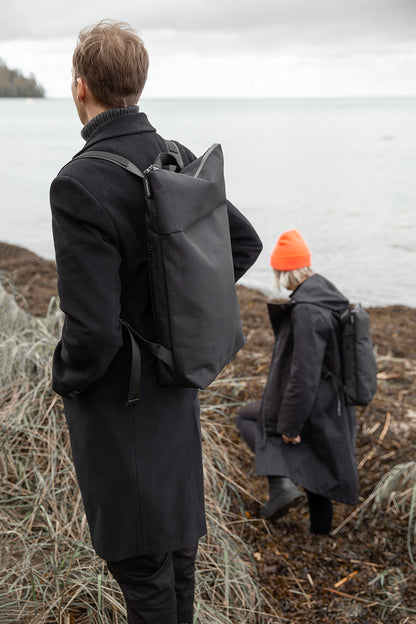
195, 305
359, 365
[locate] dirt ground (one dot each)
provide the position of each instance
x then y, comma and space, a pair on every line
33, 278
363, 573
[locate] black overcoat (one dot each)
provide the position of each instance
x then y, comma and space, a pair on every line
139, 467
298, 399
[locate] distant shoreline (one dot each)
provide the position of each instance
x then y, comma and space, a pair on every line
13, 84
21, 96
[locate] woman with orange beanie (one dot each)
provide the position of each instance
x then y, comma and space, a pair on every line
302, 431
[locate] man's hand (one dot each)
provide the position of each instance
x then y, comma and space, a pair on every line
287, 440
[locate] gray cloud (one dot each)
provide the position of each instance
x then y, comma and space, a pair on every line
231, 48
267, 21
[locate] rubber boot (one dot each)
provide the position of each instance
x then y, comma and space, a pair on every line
283, 495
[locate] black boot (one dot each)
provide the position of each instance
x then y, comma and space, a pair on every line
283, 494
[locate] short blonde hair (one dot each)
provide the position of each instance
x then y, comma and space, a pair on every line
291, 279
113, 61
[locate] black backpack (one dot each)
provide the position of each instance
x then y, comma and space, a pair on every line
195, 306
359, 366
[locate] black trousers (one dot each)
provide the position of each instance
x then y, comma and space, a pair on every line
158, 589
320, 507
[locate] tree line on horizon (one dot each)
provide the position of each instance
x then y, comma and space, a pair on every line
14, 84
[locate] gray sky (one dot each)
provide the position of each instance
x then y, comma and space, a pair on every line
230, 48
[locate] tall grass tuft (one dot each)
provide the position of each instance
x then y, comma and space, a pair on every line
396, 491
48, 570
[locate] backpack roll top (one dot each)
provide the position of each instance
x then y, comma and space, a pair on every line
178, 199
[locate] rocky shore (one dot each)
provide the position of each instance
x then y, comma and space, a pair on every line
364, 572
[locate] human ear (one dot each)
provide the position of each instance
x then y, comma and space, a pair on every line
80, 89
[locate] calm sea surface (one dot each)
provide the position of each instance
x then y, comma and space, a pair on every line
341, 171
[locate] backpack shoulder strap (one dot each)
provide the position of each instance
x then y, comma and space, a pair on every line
127, 164
113, 158
342, 318
174, 149
336, 383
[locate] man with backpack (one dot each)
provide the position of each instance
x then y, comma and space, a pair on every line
303, 430
138, 464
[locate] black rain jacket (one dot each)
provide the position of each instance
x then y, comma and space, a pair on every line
299, 400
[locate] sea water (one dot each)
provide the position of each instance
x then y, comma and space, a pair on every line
342, 171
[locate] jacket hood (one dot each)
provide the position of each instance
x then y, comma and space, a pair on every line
320, 291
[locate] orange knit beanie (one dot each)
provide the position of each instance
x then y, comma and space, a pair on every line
291, 252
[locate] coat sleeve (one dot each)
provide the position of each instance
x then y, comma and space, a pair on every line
245, 242
310, 334
88, 262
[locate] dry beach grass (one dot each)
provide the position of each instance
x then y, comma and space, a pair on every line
48, 570
249, 571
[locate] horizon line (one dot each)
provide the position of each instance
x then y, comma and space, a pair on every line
248, 97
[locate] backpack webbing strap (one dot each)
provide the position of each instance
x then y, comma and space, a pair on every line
135, 369
113, 158
156, 349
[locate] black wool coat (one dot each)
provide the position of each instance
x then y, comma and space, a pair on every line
298, 399
139, 467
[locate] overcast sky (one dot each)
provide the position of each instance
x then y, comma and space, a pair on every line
230, 48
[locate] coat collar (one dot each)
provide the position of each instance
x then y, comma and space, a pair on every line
133, 123
111, 113
278, 312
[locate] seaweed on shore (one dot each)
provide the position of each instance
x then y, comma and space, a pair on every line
249, 570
